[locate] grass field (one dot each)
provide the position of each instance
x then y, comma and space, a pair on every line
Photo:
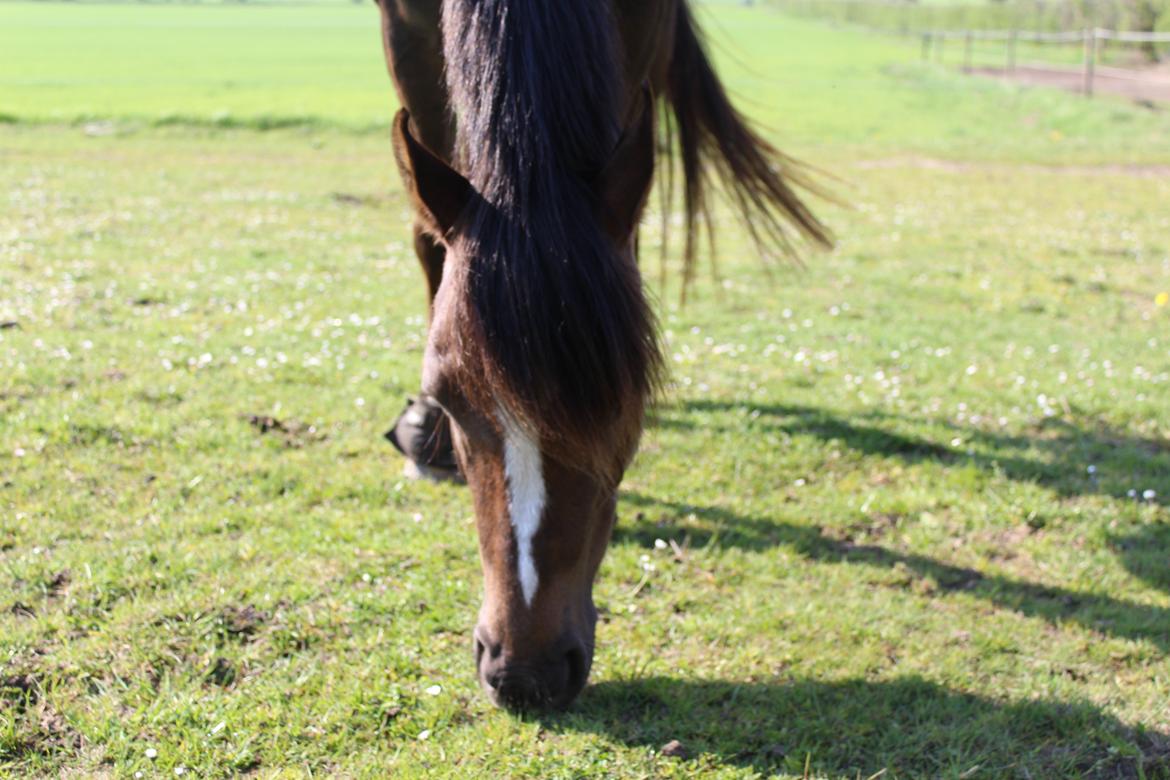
919, 487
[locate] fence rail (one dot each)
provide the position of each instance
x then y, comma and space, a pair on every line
1134, 37
910, 16
1089, 39
1089, 24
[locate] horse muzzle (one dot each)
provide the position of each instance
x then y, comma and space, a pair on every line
548, 680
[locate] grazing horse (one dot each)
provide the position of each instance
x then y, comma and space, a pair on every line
527, 144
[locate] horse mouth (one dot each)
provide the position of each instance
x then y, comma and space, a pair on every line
550, 686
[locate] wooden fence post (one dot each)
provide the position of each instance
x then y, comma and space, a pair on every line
1090, 59
1011, 53
968, 42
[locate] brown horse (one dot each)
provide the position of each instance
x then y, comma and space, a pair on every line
527, 143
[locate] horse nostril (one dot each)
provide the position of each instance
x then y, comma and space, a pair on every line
578, 671
487, 652
519, 692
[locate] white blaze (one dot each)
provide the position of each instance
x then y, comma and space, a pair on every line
526, 499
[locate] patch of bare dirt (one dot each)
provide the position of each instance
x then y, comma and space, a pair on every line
291, 432
57, 584
1141, 171
876, 526
221, 672
1146, 85
19, 689
356, 199
44, 732
241, 623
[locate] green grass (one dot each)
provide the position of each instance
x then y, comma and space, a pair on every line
894, 552
320, 67
175, 63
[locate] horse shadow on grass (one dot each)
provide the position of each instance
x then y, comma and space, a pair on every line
855, 728
1121, 462
909, 726
1097, 612
1146, 553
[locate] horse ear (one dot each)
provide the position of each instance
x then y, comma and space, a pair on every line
439, 192
624, 182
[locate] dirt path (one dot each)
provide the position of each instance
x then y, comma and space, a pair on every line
1140, 171
1150, 85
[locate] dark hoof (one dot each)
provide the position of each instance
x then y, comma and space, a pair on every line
423, 434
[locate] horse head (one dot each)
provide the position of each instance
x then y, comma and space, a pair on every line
544, 358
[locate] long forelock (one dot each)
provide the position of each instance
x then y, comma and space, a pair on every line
566, 337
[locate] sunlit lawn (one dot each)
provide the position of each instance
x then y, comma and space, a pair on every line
917, 491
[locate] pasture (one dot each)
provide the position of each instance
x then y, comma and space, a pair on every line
904, 508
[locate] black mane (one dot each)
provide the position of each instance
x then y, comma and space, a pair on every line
560, 313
